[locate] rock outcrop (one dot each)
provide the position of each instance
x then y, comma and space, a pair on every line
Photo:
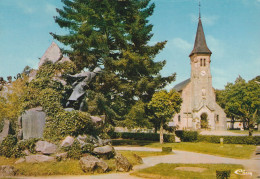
122, 164
91, 164
68, 141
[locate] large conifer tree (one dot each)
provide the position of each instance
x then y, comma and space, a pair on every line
114, 35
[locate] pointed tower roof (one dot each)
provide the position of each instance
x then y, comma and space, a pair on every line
200, 45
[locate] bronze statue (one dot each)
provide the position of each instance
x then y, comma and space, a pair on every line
79, 86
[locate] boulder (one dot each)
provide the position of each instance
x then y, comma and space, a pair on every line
5, 130
107, 149
45, 147
96, 119
138, 158
7, 170
122, 164
90, 164
68, 141
38, 158
33, 123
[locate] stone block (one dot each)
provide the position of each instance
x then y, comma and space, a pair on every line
33, 123
45, 147
5, 130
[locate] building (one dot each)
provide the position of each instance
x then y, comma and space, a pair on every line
199, 108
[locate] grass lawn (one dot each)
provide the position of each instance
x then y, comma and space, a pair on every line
166, 171
68, 167
228, 150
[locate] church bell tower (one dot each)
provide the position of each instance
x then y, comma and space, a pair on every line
201, 79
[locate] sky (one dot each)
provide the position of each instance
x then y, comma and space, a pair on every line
231, 27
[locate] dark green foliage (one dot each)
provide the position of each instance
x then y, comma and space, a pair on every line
167, 149
169, 138
187, 136
250, 140
66, 123
74, 151
223, 174
115, 36
8, 145
51, 95
25, 145
142, 136
241, 101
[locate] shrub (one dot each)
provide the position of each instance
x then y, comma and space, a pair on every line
187, 136
142, 136
222, 174
23, 145
74, 151
255, 140
8, 145
167, 149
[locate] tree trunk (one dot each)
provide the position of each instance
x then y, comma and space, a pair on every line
161, 132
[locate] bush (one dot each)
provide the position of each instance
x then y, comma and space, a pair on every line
222, 174
142, 136
187, 136
74, 151
167, 149
8, 145
255, 140
25, 145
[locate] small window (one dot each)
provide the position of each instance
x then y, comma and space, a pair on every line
179, 118
204, 62
201, 62
217, 118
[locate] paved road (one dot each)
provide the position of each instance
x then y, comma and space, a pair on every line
252, 165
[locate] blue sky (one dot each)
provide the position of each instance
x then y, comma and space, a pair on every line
232, 29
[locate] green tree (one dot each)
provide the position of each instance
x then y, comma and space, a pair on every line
241, 100
115, 36
163, 105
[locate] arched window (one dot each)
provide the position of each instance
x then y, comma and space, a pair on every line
201, 62
217, 118
204, 62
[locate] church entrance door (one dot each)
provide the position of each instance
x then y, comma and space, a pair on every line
204, 121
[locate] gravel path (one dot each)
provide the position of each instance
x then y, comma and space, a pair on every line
252, 165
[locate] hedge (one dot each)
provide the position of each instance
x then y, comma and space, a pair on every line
142, 136
255, 140
187, 136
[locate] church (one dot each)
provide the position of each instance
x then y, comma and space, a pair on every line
199, 109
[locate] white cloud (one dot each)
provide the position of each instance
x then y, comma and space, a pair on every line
180, 44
